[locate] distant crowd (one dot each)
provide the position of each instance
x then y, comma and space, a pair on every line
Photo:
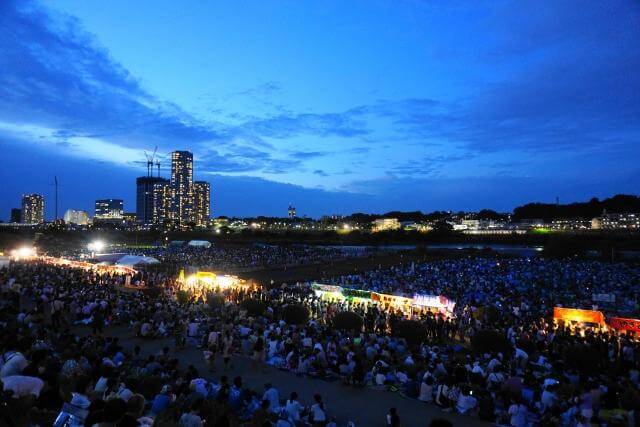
256, 256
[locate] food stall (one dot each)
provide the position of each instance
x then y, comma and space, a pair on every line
416, 304
623, 324
579, 316
203, 282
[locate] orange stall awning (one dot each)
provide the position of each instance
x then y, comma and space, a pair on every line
578, 315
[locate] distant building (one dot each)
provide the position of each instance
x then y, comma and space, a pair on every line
385, 224
129, 218
109, 210
202, 203
32, 209
617, 221
16, 215
291, 212
72, 216
571, 224
146, 208
162, 199
182, 188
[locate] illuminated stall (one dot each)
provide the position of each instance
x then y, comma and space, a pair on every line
625, 325
99, 268
203, 282
417, 304
579, 316
434, 304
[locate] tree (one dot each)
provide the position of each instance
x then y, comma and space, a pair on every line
295, 314
348, 321
215, 301
413, 332
488, 341
253, 307
182, 297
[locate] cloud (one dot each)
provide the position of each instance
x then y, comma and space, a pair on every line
53, 73
304, 155
320, 124
320, 172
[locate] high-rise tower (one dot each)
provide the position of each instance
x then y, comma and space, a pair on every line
32, 209
202, 203
182, 188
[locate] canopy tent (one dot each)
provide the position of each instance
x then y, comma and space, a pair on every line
133, 260
200, 243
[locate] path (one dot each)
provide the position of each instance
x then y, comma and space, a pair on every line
366, 407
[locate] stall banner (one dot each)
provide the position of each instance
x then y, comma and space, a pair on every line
326, 288
436, 301
578, 315
356, 293
622, 324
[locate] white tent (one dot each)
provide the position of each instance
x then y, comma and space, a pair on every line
133, 260
200, 243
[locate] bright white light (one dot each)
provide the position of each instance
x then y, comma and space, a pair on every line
23, 252
96, 246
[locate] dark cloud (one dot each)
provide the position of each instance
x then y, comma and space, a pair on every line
320, 172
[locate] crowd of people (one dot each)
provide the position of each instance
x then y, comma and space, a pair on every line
500, 357
538, 283
256, 256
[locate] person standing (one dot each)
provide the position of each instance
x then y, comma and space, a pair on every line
393, 420
318, 416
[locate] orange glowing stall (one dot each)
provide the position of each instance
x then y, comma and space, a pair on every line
624, 324
578, 315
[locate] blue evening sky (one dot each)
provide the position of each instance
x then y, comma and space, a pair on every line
333, 106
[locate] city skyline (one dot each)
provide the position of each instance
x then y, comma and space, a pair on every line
332, 107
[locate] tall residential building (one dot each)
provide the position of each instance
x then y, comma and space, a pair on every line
111, 210
16, 215
182, 188
291, 212
162, 203
146, 208
72, 216
202, 203
32, 209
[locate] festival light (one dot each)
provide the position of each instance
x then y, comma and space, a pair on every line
96, 246
23, 252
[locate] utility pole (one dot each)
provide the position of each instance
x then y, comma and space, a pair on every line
55, 183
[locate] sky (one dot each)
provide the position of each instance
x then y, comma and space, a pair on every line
332, 106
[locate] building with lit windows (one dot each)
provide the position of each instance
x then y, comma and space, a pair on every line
202, 203
109, 210
147, 211
617, 221
162, 201
72, 216
291, 212
385, 224
182, 202
32, 209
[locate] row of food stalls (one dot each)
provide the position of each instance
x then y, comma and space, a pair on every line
409, 306
594, 318
100, 268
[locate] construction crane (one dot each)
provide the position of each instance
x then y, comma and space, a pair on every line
150, 162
